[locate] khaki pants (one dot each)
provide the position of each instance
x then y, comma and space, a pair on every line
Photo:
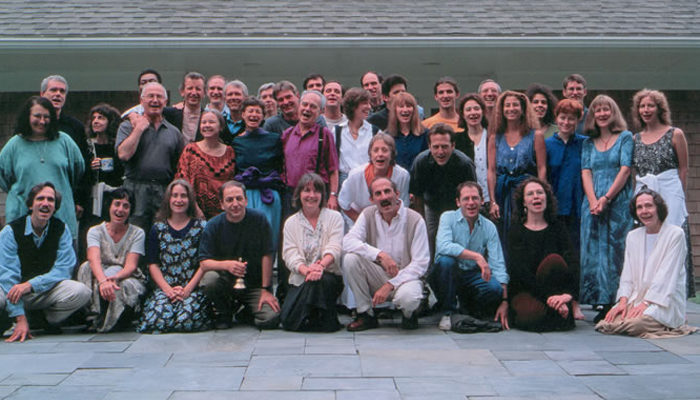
365, 277
58, 303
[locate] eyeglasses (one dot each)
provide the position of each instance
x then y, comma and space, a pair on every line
152, 96
42, 116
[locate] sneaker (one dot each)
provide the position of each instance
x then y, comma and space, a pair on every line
410, 323
445, 323
9, 331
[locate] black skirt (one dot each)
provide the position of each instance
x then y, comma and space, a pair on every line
310, 307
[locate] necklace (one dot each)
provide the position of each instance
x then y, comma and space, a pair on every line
606, 142
42, 152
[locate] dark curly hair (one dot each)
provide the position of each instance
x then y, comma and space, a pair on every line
113, 121
552, 100
519, 213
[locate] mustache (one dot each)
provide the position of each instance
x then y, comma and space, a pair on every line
385, 203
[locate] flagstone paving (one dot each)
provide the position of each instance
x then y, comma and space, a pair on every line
385, 363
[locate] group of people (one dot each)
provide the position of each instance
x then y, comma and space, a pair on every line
512, 207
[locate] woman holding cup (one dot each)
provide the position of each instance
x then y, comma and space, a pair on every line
108, 172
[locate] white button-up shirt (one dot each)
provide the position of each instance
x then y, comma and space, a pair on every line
391, 239
353, 152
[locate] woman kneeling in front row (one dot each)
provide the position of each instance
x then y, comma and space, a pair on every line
652, 292
311, 251
111, 271
542, 263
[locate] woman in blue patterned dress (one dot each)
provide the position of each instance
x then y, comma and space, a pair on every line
517, 153
606, 162
177, 304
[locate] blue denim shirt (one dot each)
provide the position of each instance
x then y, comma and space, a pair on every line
454, 236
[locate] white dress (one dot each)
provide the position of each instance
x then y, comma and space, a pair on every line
659, 278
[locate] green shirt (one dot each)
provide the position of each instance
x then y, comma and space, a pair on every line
24, 163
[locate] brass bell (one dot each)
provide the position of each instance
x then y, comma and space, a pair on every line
240, 282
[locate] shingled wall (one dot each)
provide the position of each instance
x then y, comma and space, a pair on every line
683, 105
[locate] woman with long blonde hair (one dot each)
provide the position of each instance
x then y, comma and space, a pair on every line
405, 126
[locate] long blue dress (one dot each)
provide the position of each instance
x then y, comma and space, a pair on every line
258, 164
176, 254
513, 165
603, 236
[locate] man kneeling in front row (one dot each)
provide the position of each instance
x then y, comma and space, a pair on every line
36, 264
238, 244
469, 262
386, 256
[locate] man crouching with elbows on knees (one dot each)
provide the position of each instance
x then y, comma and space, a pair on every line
386, 256
36, 264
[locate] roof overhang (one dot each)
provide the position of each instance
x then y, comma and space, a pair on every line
112, 63
350, 42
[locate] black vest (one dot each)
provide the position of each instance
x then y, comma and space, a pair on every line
35, 261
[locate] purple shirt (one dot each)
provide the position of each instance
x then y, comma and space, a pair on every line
301, 153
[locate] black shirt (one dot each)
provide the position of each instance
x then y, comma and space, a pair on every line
250, 239
527, 249
114, 178
380, 118
76, 130
437, 184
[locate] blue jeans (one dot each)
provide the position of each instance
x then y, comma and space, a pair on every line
476, 295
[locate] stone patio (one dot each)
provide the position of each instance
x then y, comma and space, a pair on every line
385, 363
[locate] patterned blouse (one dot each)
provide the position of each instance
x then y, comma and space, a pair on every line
206, 173
656, 157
